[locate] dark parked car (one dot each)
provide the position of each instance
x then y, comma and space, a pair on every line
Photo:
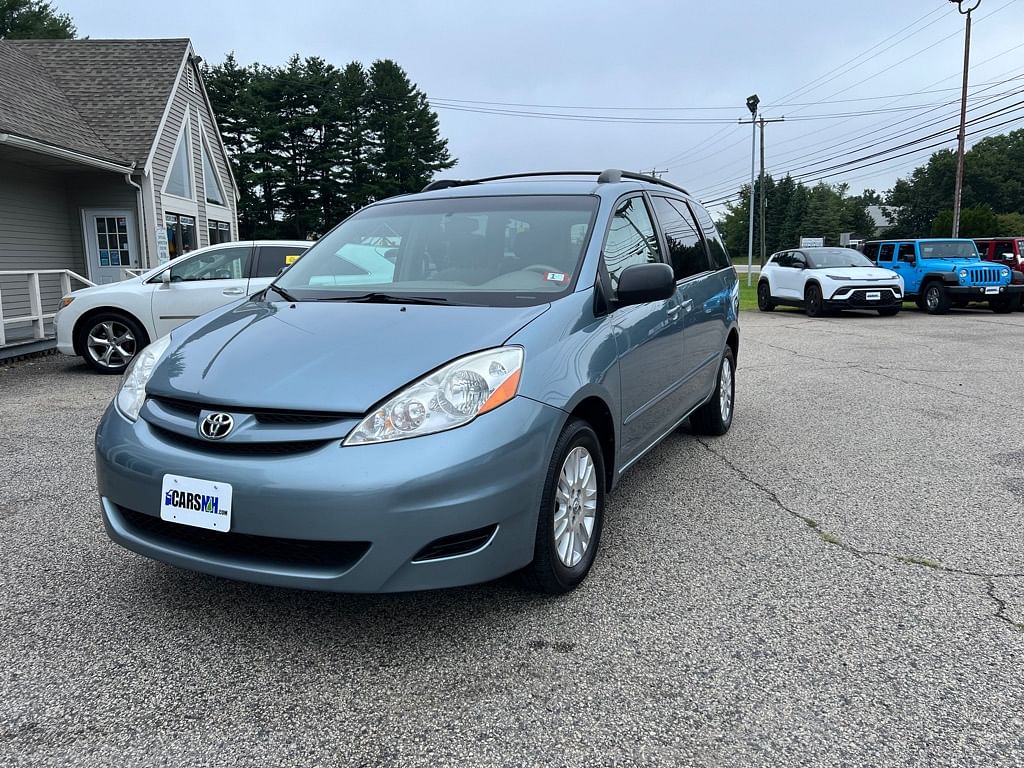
453, 421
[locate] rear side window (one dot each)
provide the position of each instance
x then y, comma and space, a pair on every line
716, 246
886, 251
274, 258
906, 253
685, 246
630, 240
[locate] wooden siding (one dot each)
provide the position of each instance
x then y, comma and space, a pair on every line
185, 98
37, 231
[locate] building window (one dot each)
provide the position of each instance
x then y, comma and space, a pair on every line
179, 175
211, 179
112, 241
220, 232
181, 234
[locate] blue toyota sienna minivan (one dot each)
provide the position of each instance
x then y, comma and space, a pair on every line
456, 417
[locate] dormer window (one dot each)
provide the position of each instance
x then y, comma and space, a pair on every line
179, 175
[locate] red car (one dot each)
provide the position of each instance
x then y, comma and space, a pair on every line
1008, 251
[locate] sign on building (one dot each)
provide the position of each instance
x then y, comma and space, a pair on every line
162, 253
812, 242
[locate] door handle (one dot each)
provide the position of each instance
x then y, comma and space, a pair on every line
232, 291
687, 305
673, 311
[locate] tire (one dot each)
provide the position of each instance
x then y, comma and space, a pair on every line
936, 300
1005, 304
889, 311
558, 566
108, 341
715, 416
764, 297
814, 304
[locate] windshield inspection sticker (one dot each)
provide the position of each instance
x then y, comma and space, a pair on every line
556, 277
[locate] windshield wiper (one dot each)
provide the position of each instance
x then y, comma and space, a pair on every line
281, 292
388, 298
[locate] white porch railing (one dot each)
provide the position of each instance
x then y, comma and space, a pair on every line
36, 315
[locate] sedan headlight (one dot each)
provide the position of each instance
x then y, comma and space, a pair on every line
449, 397
963, 273
133, 387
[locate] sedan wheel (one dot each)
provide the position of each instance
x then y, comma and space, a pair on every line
571, 514
109, 343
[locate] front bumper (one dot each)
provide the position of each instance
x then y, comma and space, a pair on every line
983, 292
361, 513
64, 325
856, 297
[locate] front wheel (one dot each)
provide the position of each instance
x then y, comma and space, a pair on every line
715, 416
1004, 304
936, 299
813, 301
110, 340
571, 512
764, 297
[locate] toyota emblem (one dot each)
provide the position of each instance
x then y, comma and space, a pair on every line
216, 425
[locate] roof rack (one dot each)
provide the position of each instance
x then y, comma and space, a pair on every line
607, 176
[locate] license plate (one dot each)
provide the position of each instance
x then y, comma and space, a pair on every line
992, 289
200, 503
874, 296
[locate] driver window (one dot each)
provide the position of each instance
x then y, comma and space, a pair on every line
906, 253
631, 239
219, 264
799, 260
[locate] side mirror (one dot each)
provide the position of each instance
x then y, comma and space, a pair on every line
642, 283
165, 277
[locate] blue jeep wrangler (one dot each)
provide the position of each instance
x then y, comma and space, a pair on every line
940, 273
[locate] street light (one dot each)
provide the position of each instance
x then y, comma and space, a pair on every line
958, 190
752, 102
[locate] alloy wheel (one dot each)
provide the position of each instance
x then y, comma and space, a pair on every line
931, 298
575, 506
111, 344
725, 391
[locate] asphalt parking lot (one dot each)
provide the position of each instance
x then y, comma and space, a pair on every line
838, 581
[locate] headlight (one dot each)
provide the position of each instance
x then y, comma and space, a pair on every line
1005, 272
450, 397
133, 388
963, 273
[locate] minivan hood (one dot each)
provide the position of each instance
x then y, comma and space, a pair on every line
336, 357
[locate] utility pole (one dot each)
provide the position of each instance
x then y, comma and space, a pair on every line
958, 190
764, 198
657, 172
752, 102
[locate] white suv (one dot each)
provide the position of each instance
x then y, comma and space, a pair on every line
822, 279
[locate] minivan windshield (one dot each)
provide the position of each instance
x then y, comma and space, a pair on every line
491, 251
949, 249
833, 258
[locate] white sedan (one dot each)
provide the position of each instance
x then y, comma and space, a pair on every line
824, 279
108, 324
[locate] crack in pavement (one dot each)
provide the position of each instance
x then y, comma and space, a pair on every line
868, 555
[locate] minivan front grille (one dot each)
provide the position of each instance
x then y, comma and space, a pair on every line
264, 416
334, 555
271, 448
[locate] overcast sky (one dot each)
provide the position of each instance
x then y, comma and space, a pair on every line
641, 60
